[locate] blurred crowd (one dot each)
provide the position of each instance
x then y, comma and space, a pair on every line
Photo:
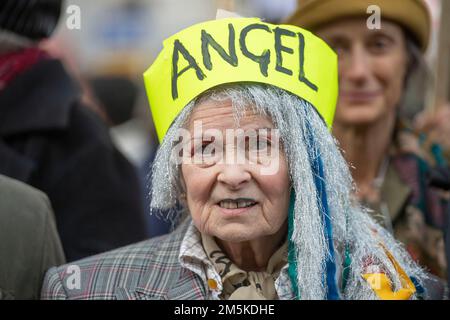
77, 140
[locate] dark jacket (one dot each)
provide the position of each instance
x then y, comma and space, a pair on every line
49, 140
29, 243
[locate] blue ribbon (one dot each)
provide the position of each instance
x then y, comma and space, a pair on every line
322, 202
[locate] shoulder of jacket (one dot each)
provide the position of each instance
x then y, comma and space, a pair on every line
99, 275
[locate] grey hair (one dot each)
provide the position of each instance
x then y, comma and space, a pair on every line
298, 121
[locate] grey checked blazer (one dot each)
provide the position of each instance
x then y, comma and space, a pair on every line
142, 271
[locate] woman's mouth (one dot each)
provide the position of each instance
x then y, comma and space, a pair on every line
236, 206
359, 96
237, 203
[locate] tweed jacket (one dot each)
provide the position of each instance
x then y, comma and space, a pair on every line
149, 270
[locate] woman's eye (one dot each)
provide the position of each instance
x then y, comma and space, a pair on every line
340, 50
208, 149
263, 144
263, 153
379, 44
340, 46
200, 149
259, 146
206, 153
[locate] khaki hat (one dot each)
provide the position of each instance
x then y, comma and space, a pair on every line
413, 15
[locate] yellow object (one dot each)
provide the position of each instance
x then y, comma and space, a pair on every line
413, 15
233, 50
212, 284
380, 283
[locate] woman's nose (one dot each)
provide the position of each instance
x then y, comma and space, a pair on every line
234, 176
357, 68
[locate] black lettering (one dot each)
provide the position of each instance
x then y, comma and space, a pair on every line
264, 59
302, 76
279, 49
208, 40
179, 48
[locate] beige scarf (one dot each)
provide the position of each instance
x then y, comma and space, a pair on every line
242, 285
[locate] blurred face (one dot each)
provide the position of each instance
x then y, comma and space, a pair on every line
230, 200
372, 68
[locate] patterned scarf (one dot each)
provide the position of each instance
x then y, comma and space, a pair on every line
242, 285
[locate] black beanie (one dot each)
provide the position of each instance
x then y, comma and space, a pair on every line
33, 19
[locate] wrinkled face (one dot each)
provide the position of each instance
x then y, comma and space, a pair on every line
235, 200
372, 68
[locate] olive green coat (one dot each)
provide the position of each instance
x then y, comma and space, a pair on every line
29, 243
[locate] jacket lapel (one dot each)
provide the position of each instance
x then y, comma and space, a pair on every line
189, 286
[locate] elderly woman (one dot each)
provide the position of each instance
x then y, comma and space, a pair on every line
375, 66
249, 169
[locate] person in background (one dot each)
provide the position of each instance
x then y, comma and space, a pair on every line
50, 140
29, 242
388, 164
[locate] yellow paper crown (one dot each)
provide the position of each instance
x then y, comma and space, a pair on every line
233, 50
